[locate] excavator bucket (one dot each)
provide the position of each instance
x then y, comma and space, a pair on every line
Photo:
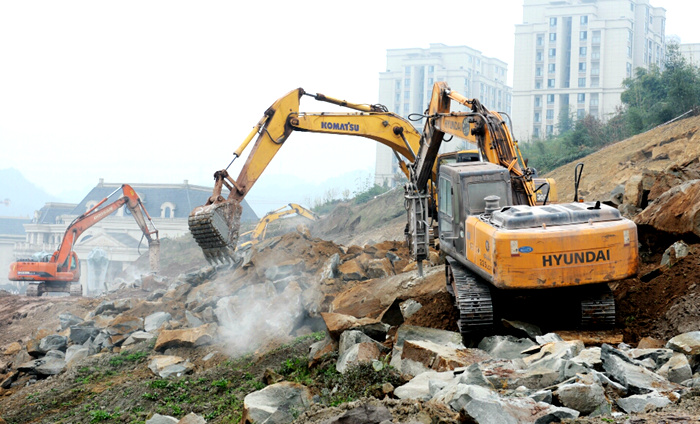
215, 228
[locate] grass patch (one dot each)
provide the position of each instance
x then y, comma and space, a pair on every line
122, 358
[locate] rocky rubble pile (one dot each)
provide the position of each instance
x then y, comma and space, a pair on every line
504, 380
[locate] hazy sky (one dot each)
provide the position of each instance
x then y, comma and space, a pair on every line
162, 91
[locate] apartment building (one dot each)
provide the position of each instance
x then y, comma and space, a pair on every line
691, 52
406, 86
571, 57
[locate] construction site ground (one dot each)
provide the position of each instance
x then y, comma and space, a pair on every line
661, 302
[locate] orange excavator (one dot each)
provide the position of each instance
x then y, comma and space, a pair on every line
61, 272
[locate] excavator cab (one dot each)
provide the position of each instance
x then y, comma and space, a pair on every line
462, 192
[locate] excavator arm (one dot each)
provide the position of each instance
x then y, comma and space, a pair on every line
97, 214
215, 225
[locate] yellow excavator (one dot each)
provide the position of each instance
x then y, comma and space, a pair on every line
257, 234
215, 225
496, 239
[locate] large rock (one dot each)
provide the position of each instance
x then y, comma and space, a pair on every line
505, 347
156, 320
192, 418
677, 369
123, 325
410, 332
356, 348
338, 323
687, 343
636, 404
365, 413
83, 332
674, 253
276, 403
187, 337
67, 319
75, 353
53, 342
585, 396
351, 271
484, 406
161, 419
168, 366
419, 386
420, 356
12, 348
43, 367
137, 337
635, 378
677, 211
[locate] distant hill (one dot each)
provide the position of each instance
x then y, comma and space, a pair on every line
18, 196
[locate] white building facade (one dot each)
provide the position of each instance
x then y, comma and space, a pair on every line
406, 86
691, 52
571, 57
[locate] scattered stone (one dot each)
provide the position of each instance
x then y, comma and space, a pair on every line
277, 403
677, 369
167, 366
192, 319
156, 320
271, 377
585, 396
590, 358
360, 353
339, 323
366, 413
409, 307
643, 402
525, 329
12, 349
320, 349
649, 343
635, 378
420, 356
155, 295
198, 277
55, 354
351, 271
67, 319
75, 353
83, 332
674, 253
187, 337
137, 337
419, 386
505, 347
687, 343
53, 342
414, 333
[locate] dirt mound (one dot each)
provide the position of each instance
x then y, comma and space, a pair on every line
673, 146
662, 302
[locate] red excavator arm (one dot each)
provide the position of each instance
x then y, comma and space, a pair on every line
63, 265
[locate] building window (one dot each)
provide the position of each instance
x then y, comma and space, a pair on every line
538, 71
537, 117
595, 70
552, 21
538, 85
431, 68
540, 40
594, 99
583, 35
629, 69
550, 129
550, 99
595, 82
398, 84
430, 82
582, 66
582, 82
167, 210
405, 109
552, 36
581, 97
536, 132
538, 56
596, 37
89, 205
584, 20
551, 68
580, 113
552, 52
407, 71
538, 101
550, 114
582, 51
550, 83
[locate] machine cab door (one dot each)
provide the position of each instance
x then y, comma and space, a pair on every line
450, 221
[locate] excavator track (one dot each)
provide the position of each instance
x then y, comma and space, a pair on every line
472, 298
598, 308
215, 229
35, 289
76, 290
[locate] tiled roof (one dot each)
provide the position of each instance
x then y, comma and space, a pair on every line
50, 211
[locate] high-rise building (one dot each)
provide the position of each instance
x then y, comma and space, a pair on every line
571, 57
691, 52
406, 86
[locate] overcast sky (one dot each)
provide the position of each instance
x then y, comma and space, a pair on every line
163, 91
